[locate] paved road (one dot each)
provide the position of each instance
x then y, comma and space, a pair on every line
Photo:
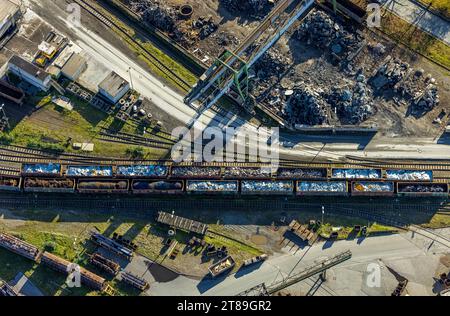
418, 16
410, 255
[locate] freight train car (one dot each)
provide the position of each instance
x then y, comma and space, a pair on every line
372, 188
142, 171
212, 186
247, 173
8, 183
42, 170
409, 175
267, 187
322, 188
142, 186
422, 189
49, 185
302, 173
350, 173
89, 171
195, 172
103, 186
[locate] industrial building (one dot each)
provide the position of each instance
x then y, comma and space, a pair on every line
29, 72
74, 67
113, 87
9, 14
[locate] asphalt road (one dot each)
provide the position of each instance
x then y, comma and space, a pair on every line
410, 255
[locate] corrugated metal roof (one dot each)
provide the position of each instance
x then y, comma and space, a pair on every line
113, 83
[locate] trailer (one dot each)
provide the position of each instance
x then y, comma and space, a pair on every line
254, 260
226, 264
178, 222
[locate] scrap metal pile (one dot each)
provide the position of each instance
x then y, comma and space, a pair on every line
306, 106
255, 8
247, 172
196, 171
422, 188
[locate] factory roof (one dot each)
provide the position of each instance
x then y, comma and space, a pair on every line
113, 84
8, 7
28, 67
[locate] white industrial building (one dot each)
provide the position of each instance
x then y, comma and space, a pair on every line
113, 87
29, 73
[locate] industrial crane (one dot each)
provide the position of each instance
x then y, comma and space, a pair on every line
320, 267
229, 73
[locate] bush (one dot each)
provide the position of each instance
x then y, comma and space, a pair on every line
135, 153
6, 139
49, 246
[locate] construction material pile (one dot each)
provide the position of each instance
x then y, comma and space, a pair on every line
267, 186
205, 186
301, 173
373, 187
41, 168
254, 8
159, 185
238, 172
143, 171
409, 175
49, 183
306, 107
434, 188
319, 30
322, 186
90, 171
356, 173
390, 73
196, 171
353, 105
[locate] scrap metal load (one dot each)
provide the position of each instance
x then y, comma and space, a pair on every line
19, 246
111, 245
212, 186
306, 107
86, 277
143, 171
409, 175
264, 187
89, 171
356, 173
135, 281
142, 186
41, 169
49, 185
222, 266
424, 188
255, 8
103, 186
238, 172
105, 264
9, 184
385, 188
178, 222
322, 187
196, 172
301, 173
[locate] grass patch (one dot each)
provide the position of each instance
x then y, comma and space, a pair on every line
439, 220
419, 41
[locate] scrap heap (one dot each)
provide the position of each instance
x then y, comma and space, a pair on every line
306, 107
255, 8
390, 73
353, 106
205, 27
320, 30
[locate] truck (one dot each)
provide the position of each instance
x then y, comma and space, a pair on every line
256, 259
222, 266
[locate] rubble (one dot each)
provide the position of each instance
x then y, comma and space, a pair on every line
322, 186
205, 186
306, 107
356, 173
142, 171
409, 175
390, 73
266, 186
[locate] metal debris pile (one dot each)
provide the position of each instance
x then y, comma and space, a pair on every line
422, 188
301, 173
374, 186
212, 186
390, 73
206, 26
353, 105
247, 172
90, 171
409, 175
196, 171
266, 186
356, 173
322, 186
306, 107
254, 8
319, 30
143, 171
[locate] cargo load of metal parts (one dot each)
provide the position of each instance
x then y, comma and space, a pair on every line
412, 189
212, 186
182, 223
195, 172
143, 186
86, 277
239, 172
103, 186
301, 173
41, 169
9, 183
19, 246
321, 187
134, 280
143, 171
226, 264
104, 264
49, 185
356, 173
261, 186
111, 245
387, 188
410, 175
89, 171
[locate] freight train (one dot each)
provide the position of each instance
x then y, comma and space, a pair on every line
205, 180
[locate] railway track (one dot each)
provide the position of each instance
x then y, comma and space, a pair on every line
180, 82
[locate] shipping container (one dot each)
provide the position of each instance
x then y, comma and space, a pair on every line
248, 172
222, 266
59, 185
372, 188
422, 189
50, 169
302, 173
143, 171
194, 172
89, 171
322, 188
409, 175
157, 186
281, 187
8, 183
351, 173
103, 186
212, 186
